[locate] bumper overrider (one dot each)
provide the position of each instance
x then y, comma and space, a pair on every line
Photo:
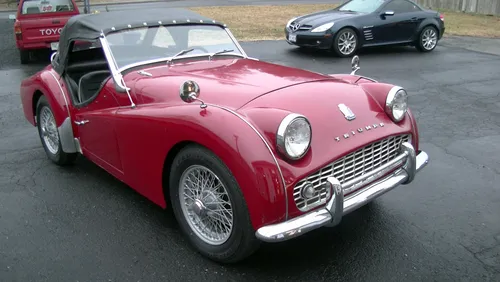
407, 164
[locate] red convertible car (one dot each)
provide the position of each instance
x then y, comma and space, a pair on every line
244, 151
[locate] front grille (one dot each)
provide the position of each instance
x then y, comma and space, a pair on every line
301, 27
348, 168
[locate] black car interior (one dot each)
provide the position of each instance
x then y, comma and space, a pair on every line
86, 74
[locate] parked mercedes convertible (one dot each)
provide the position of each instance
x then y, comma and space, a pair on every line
242, 150
366, 23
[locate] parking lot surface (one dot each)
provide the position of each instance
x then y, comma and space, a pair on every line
81, 224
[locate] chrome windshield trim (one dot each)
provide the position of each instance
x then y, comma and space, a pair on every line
117, 71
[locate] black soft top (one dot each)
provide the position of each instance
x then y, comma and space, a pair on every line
90, 26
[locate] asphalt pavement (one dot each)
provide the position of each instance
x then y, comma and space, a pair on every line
81, 224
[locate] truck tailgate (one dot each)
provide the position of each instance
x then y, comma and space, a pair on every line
43, 29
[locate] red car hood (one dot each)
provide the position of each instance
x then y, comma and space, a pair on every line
228, 82
319, 102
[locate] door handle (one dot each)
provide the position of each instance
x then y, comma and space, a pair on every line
81, 122
56, 21
414, 19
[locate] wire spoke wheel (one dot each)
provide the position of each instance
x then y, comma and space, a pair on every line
429, 39
347, 43
206, 204
49, 130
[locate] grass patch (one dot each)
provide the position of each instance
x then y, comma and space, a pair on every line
250, 23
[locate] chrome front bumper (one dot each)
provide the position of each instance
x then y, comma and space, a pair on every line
338, 206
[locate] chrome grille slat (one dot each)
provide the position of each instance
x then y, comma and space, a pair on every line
347, 168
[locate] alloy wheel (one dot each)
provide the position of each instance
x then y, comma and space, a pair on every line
429, 39
347, 43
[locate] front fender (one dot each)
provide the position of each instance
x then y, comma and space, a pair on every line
148, 133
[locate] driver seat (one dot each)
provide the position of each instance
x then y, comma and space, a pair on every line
90, 84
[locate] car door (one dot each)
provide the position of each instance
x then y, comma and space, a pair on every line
95, 126
396, 22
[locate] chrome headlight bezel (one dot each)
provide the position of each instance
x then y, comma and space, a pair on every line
281, 135
323, 27
395, 97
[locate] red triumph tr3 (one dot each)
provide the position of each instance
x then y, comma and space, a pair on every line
244, 151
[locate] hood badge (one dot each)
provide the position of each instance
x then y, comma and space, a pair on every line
348, 114
360, 130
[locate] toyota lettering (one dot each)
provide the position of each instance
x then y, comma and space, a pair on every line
51, 31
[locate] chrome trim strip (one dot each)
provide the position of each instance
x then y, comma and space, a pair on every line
62, 91
66, 134
268, 148
330, 216
236, 42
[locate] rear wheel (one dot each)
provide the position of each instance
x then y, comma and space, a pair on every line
345, 42
49, 135
428, 39
210, 207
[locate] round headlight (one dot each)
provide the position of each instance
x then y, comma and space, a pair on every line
396, 103
294, 136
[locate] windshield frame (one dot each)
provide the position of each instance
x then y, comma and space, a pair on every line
381, 6
111, 58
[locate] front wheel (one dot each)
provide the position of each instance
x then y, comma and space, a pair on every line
49, 135
428, 39
345, 43
209, 206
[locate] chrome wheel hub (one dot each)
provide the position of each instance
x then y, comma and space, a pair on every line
429, 39
49, 130
347, 43
206, 205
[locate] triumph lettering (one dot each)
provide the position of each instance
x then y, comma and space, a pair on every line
51, 31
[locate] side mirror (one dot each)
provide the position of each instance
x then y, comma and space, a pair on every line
190, 91
355, 64
388, 13
12, 17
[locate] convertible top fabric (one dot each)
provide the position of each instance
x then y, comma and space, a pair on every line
90, 26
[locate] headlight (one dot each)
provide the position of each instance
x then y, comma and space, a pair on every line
322, 28
294, 136
396, 103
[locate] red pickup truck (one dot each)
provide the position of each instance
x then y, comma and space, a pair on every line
39, 23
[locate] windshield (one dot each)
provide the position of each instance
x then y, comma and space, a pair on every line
46, 6
362, 6
151, 43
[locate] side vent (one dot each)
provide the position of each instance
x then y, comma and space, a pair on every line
368, 34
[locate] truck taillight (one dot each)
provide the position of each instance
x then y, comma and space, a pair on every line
17, 31
441, 16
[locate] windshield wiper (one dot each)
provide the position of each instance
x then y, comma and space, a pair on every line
219, 52
185, 51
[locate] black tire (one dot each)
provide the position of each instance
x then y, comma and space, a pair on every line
420, 45
24, 56
58, 156
242, 241
335, 45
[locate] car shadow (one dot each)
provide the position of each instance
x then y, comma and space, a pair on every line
322, 248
